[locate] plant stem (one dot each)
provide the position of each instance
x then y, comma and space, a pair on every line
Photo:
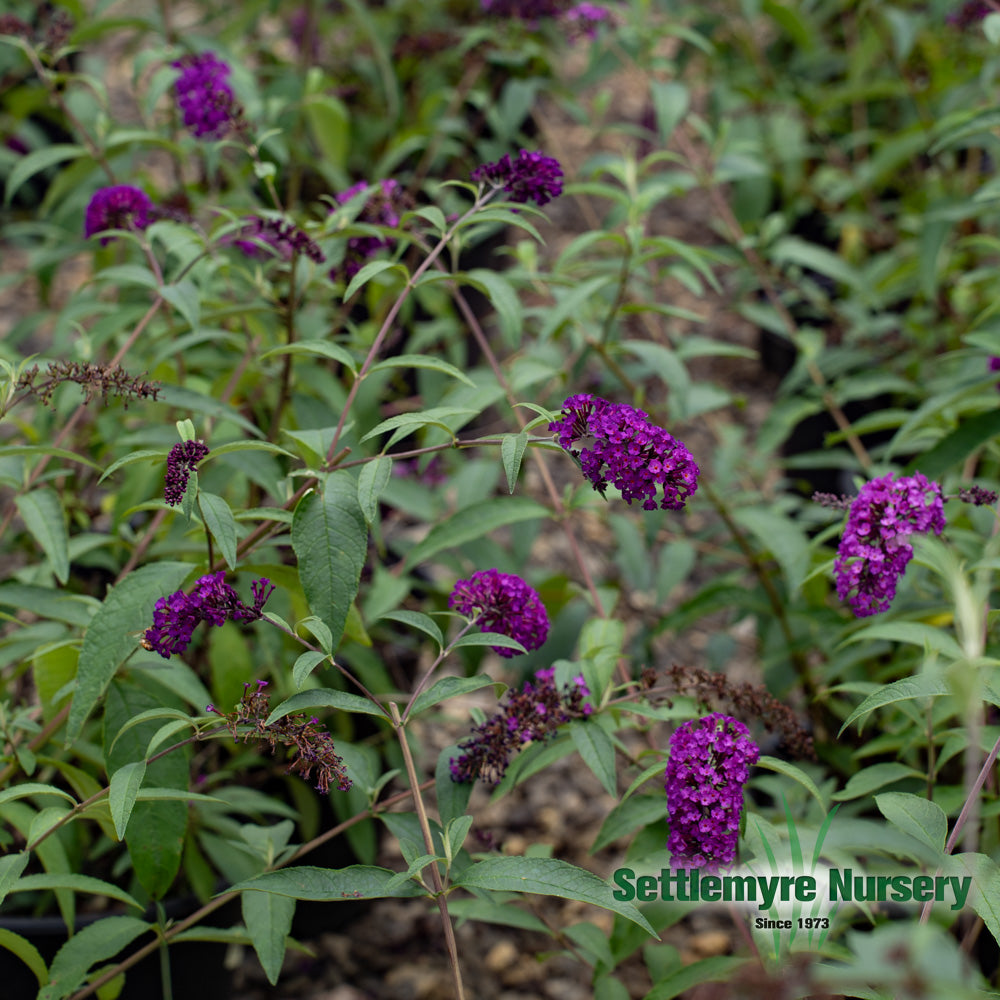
430, 670
442, 899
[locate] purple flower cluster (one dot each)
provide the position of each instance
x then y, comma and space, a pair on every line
626, 450
211, 600
524, 10
873, 551
118, 207
969, 13
384, 206
585, 18
504, 603
204, 96
531, 716
709, 764
314, 747
181, 462
285, 238
531, 177
995, 367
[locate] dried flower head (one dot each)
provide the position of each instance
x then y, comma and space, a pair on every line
204, 96
118, 207
211, 600
626, 450
873, 552
181, 462
95, 380
383, 207
531, 177
285, 238
504, 603
531, 716
709, 764
978, 495
313, 746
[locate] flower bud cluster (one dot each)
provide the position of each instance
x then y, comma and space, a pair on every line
531, 716
211, 600
504, 603
873, 552
530, 177
710, 760
313, 746
181, 462
625, 449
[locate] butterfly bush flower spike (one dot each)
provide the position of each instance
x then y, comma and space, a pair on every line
874, 552
204, 97
628, 451
530, 716
211, 600
118, 207
504, 603
709, 764
284, 238
530, 177
181, 462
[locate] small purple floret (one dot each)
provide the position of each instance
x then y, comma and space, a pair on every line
504, 603
709, 764
531, 177
873, 552
118, 207
628, 451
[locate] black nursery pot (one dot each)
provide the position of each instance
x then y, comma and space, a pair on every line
197, 968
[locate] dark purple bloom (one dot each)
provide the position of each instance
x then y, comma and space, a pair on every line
181, 462
531, 177
313, 746
995, 367
383, 207
211, 600
118, 207
285, 238
531, 716
969, 13
709, 764
504, 603
626, 450
586, 18
204, 96
873, 552
524, 10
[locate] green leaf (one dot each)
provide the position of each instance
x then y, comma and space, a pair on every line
875, 776
330, 539
795, 773
435, 416
920, 818
185, 299
423, 361
597, 751
38, 160
305, 665
372, 481
504, 299
511, 452
329, 126
268, 918
43, 515
639, 810
11, 866
33, 788
328, 884
92, 944
915, 633
417, 620
489, 639
490, 912
319, 349
449, 687
369, 271
781, 536
452, 796
153, 713
26, 952
954, 448
984, 896
146, 454
926, 685
236, 446
708, 970
128, 608
76, 883
474, 521
44, 449
220, 522
60, 606
547, 877
124, 786
324, 698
